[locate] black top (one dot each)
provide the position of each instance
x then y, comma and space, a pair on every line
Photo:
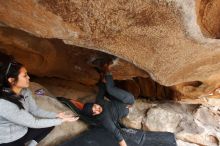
113, 111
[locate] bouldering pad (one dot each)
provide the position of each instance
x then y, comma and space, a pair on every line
101, 137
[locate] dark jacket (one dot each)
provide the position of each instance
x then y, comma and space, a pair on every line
113, 111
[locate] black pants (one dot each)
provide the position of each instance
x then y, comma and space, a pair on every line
32, 134
116, 95
119, 94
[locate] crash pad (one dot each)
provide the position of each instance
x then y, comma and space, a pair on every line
101, 137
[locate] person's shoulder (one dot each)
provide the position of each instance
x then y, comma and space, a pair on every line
26, 92
5, 103
2, 101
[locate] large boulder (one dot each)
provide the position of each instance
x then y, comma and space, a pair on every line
162, 37
62, 132
193, 124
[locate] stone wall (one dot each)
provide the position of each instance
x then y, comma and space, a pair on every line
172, 40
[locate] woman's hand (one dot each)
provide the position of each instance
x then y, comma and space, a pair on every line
64, 115
67, 117
72, 119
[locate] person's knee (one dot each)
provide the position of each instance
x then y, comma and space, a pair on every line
130, 99
109, 88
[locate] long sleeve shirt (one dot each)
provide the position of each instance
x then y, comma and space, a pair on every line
14, 122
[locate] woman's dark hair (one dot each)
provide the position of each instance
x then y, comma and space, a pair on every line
10, 70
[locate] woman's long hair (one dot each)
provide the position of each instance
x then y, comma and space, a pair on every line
10, 70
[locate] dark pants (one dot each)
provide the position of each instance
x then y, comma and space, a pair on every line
32, 134
117, 93
112, 92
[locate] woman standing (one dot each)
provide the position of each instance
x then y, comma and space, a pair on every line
21, 120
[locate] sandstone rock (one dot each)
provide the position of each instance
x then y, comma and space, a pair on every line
192, 124
62, 132
152, 90
182, 143
67, 89
208, 17
159, 119
161, 37
130, 86
197, 92
53, 58
209, 119
201, 139
147, 86
136, 114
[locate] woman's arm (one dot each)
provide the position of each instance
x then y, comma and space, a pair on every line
35, 110
12, 113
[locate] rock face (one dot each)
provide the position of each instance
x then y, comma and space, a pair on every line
193, 124
161, 37
208, 17
53, 58
62, 132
